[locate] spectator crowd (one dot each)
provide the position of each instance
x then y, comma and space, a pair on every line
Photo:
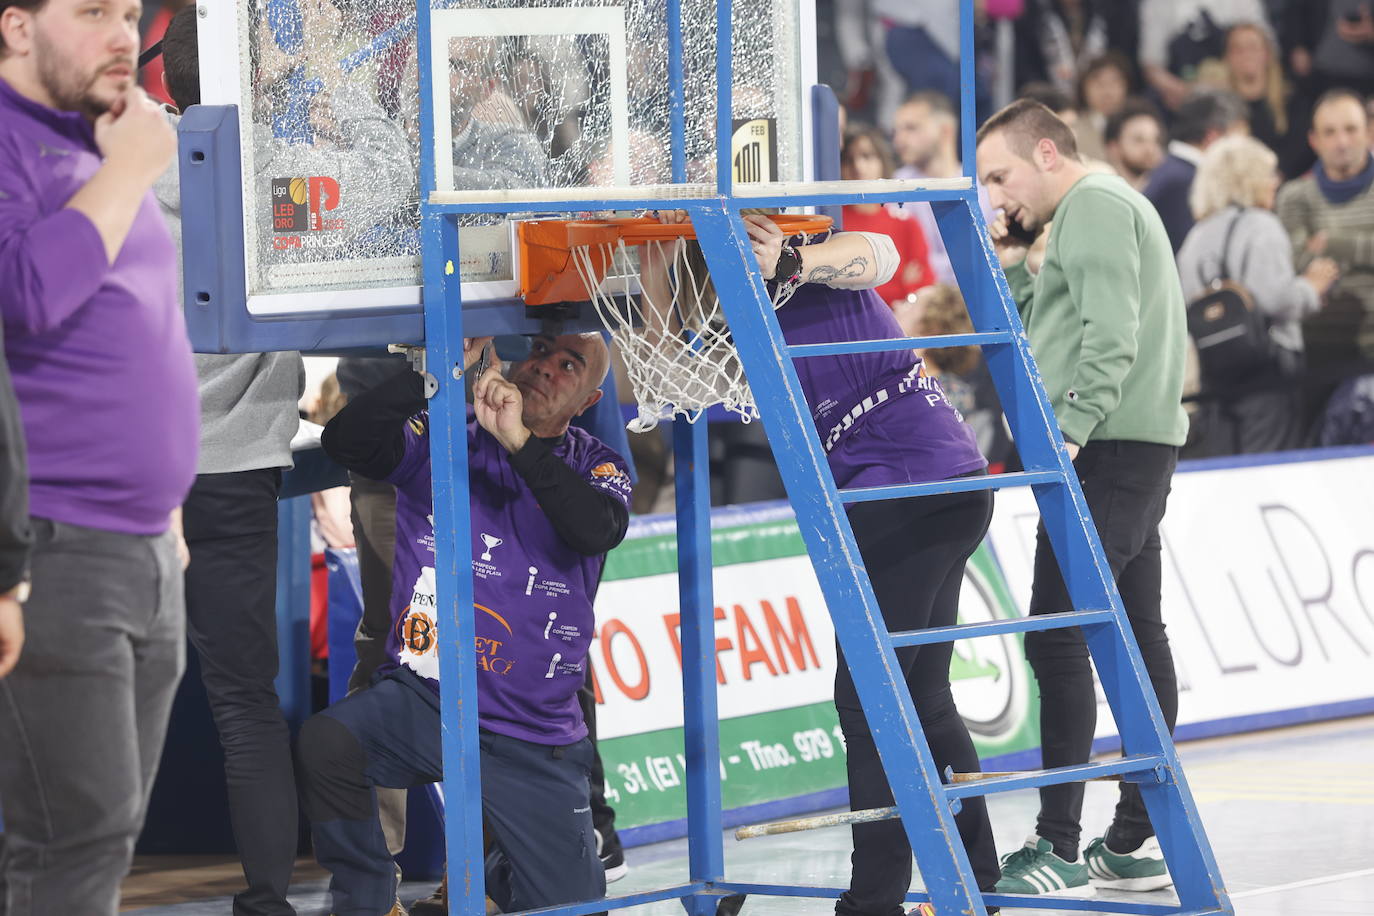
1244, 123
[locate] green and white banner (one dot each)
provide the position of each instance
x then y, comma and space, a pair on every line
1268, 594
775, 671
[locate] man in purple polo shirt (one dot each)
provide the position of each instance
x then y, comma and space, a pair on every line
548, 501
103, 373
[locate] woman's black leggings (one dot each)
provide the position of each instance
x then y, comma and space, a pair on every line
915, 551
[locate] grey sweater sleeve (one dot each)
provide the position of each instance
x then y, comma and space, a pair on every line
15, 534
1262, 262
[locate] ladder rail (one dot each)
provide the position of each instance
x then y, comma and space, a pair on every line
830, 541
1087, 575
700, 729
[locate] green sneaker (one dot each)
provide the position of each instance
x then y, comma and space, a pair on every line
1142, 870
1035, 869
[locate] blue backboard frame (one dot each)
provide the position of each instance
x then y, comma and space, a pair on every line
216, 288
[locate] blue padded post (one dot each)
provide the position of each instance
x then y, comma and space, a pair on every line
826, 143
696, 607
293, 609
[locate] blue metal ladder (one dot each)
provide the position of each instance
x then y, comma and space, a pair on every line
923, 800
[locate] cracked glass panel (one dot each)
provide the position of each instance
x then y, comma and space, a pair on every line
538, 95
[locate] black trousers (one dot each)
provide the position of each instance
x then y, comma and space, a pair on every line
230, 522
1126, 485
603, 815
915, 551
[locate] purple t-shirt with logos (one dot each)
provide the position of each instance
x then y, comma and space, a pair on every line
882, 418
533, 592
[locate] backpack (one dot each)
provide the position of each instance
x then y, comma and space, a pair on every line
1232, 336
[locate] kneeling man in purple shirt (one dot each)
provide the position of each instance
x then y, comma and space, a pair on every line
548, 502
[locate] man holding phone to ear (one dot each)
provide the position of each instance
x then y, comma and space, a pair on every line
1106, 322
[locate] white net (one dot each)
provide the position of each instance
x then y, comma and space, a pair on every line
672, 336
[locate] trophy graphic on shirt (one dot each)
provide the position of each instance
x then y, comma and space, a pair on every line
492, 542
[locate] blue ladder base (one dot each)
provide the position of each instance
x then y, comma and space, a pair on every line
675, 892
1122, 766
726, 888
1008, 901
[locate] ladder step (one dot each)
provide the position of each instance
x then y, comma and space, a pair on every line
1094, 906
625, 901
838, 348
1010, 902
953, 485
1136, 763
902, 638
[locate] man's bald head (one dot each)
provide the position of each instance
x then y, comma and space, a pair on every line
560, 379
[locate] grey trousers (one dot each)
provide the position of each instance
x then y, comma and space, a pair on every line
84, 714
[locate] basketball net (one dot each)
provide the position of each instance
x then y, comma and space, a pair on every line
672, 336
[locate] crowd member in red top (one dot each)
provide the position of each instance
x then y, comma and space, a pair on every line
866, 156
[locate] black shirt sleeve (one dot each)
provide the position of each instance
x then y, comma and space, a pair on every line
368, 435
589, 520
15, 534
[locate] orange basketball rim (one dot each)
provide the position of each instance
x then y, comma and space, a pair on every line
548, 272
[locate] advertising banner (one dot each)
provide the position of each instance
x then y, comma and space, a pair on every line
1268, 593
775, 670
1268, 590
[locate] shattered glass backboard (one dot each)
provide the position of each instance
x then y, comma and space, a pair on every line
539, 95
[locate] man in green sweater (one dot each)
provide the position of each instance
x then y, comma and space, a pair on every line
1106, 322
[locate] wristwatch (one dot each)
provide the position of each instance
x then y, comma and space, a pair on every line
788, 266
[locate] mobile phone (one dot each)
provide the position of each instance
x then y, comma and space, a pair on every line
1020, 233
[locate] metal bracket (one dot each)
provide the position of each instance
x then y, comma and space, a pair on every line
555, 311
415, 355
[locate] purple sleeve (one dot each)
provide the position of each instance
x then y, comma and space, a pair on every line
50, 264
416, 455
607, 472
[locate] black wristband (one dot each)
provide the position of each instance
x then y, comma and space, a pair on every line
788, 266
